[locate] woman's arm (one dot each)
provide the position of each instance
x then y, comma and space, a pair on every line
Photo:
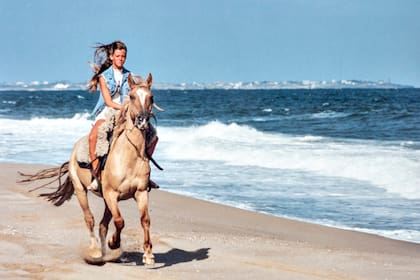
107, 95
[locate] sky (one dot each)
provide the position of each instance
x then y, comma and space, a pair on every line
186, 41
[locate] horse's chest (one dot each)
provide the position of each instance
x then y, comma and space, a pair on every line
133, 184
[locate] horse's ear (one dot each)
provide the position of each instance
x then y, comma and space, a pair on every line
149, 80
131, 82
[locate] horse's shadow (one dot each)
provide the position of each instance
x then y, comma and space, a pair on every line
173, 256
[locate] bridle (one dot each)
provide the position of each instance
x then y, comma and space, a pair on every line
142, 117
141, 121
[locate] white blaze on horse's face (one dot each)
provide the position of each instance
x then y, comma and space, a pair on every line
141, 93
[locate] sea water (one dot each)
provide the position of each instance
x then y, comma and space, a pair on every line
347, 158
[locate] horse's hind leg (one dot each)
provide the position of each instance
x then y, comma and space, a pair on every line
94, 252
142, 199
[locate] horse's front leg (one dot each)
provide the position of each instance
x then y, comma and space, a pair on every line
103, 228
142, 199
111, 199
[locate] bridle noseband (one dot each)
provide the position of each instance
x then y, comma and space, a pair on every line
141, 121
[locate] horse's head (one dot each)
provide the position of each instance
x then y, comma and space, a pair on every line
140, 103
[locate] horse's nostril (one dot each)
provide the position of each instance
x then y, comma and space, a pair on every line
141, 121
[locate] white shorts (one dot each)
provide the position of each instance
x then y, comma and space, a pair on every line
102, 115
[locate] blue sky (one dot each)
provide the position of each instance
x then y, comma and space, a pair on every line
215, 40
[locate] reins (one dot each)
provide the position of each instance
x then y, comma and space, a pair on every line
143, 132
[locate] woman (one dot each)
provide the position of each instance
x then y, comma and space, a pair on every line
113, 84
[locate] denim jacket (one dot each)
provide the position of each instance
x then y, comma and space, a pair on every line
108, 74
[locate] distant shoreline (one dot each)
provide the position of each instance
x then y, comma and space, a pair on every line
256, 85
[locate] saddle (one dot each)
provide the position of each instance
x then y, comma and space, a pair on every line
103, 143
105, 133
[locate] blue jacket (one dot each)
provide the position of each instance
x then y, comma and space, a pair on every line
108, 74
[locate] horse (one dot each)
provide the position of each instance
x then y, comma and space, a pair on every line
126, 174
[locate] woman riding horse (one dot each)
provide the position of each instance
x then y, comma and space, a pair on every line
113, 83
126, 174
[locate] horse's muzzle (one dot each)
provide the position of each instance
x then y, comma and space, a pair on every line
142, 121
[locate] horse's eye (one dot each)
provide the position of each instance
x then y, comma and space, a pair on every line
132, 97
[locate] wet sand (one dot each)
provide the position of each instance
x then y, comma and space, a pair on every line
192, 239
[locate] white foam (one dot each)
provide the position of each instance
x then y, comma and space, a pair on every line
401, 234
390, 166
41, 140
385, 165
329, 114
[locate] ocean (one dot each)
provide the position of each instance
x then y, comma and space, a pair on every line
347, 158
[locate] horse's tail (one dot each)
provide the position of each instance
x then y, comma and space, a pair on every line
65, 189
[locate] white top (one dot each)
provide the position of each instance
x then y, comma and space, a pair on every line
116, 98
118, 78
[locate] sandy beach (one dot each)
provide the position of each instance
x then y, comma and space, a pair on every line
192, 239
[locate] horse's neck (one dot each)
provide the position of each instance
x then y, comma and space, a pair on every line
129, 137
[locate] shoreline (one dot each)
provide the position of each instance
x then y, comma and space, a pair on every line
227, 85
193, 239
359, 230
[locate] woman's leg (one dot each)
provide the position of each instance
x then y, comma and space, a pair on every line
93, 136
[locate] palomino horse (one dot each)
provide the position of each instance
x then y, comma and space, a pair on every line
126, 174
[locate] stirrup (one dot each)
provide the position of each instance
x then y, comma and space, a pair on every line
94, 185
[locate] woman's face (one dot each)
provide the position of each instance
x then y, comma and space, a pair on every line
118, 58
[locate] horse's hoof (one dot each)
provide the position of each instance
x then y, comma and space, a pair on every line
113, 245
113, 256
93, 256
148, 260
94, 253
94, 261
